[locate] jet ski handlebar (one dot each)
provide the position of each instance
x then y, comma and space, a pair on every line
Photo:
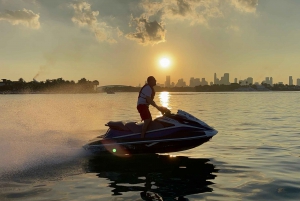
165, 111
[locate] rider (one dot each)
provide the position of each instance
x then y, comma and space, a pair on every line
145, 98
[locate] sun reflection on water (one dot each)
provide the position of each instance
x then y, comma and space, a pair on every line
164, 98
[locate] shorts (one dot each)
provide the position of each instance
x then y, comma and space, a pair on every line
144, 111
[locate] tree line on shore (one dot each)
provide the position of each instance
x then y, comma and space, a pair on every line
49, 86
85, 86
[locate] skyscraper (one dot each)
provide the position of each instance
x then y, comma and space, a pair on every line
192, 83
168, 81
290, 80
267, 80
215, 79
249, 80
298, 82
226, 79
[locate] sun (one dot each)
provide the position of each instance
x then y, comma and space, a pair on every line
165, 62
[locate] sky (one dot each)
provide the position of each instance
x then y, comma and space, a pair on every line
122, 41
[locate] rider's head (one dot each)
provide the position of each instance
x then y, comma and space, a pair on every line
151, 81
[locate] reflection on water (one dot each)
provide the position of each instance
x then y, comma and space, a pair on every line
164, 99
156, 177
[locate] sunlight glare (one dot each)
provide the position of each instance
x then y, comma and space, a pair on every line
165, 62
164, 98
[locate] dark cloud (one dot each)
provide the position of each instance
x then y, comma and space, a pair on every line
147, 32
24, 17
183, 7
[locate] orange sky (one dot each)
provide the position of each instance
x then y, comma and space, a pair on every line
121, 42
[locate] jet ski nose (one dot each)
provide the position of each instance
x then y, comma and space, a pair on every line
211, 133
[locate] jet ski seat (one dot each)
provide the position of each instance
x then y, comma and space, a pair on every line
118, 125
137, 128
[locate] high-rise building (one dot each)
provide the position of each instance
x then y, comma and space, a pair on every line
267, 81
192, 82
168, 81
226, 79
204, 82
181, 83
197, 82
290, 80
235, 80
298, 82
215, 79
249, 80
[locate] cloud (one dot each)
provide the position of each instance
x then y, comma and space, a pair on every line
248, 6
147, 32
151, 32
25, 17
85, 17
194, 11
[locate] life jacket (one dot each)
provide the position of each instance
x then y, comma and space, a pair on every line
152, 94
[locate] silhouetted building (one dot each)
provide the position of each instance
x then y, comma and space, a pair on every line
203, 82
216, 80
290, 80
298, 82
160, 85
249, 80
192, 84
180, 83
269, 80
224, 80
168, 81
235, 80
197, 82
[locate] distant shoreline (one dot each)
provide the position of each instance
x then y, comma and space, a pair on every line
90, 88
47, 93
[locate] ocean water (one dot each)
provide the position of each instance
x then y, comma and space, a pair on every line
255, 155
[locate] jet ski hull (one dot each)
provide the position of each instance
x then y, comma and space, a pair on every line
169, 133
147, 146
179, 140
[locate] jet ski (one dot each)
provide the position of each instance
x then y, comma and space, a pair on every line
167, 133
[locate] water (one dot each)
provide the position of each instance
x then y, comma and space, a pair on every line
255, 155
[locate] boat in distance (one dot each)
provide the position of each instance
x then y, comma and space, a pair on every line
167, 133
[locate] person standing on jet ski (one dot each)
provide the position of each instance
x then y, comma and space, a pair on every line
146, 97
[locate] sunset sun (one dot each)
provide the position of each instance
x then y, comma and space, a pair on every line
164, 62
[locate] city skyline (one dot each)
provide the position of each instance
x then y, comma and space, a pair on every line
194, 81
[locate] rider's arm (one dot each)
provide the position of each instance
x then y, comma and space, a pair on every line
151, 102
